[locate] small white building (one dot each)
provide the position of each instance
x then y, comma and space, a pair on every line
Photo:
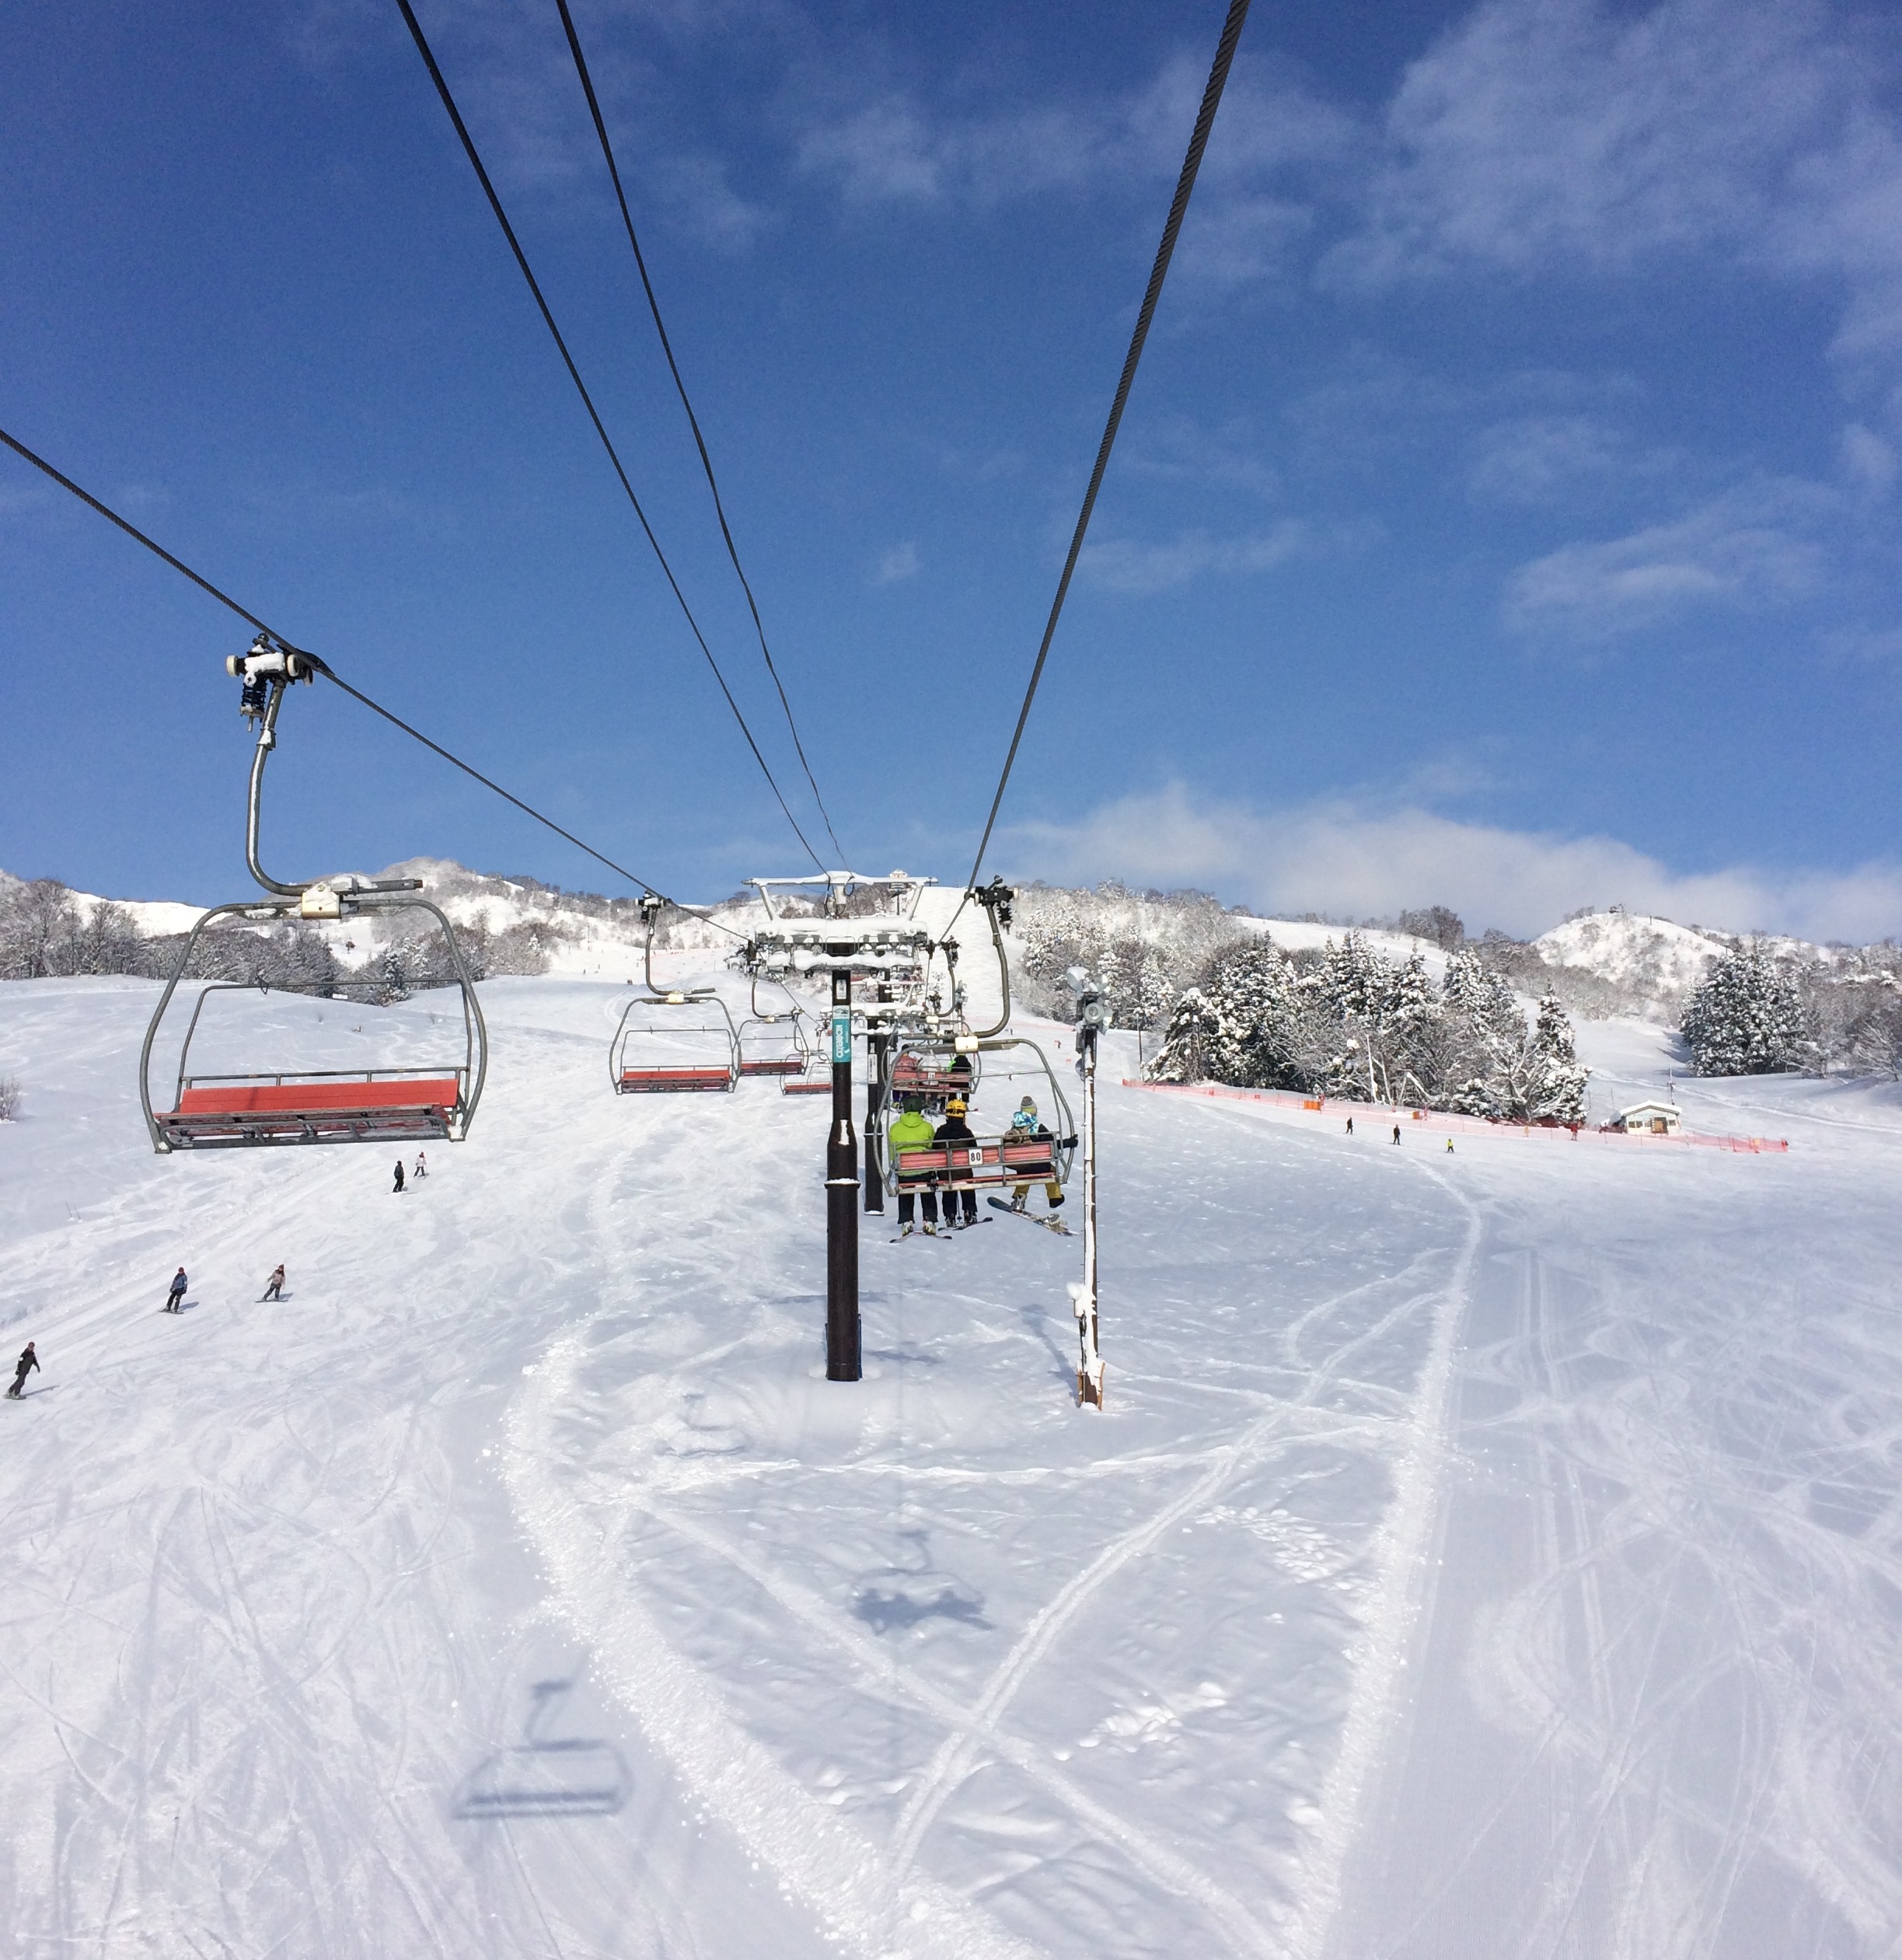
1648, 1120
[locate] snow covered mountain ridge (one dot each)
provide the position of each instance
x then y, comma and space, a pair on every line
1603, 962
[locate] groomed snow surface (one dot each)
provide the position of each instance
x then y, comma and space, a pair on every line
1485, 1555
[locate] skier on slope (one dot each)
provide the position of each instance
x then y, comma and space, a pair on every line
174, 1293
954, 1129
274, 1286
422, 1167
1350, 1126
1397, 1133
913, 1131
1026, 1129
397, 1189
27, 1359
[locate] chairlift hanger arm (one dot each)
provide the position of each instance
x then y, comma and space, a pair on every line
997, 898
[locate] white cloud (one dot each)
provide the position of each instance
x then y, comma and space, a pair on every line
896, 150
893, 151
1539, 459
895, 566
1869, 462
1348, 857
1742, 550
1125, 565
702, 202
1572, 135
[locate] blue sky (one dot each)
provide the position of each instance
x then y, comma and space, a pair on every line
1505, 514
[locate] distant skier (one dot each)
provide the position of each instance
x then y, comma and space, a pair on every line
1397, 1133
422, 1167
274, 1286
175, 1295
397, 1189
27, 1359
1350, 1126
954, 1129
1449, 1146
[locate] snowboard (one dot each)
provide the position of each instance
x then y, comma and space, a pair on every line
1030, 1218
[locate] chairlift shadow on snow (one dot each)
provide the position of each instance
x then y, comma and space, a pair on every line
902, 1598
909, 1354
542, 1778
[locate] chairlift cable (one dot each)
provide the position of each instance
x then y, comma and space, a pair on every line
588, 402
1186, 184
680, 388
330, 674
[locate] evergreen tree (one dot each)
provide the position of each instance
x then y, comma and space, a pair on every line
1746, 1019
1186, 1042
1556, 1093
393, 984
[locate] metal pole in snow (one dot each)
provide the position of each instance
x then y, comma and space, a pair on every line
877, 1046
1083, 1296
842, 1190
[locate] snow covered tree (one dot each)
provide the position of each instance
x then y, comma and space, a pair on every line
1555, 1092
1186, 1041
1137, 988
394, 982
1252, 999
1439, 924
1746, 1019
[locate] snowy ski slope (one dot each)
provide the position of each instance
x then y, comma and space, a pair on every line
1485, 1555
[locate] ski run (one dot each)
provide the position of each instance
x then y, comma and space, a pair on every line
1491, 1555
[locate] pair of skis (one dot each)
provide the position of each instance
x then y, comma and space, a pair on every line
943, 1231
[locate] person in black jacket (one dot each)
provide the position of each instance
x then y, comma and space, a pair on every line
174, 1293
27, 1359
954, 1129
397, 1189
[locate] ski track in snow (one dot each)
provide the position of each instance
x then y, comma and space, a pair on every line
1496, 1556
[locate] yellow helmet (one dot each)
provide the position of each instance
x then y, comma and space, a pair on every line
955, 1106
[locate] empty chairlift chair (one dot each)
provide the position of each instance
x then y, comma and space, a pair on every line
283, 1093
674, 1044
772, 1039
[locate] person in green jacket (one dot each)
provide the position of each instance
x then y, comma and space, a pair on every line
913, 1131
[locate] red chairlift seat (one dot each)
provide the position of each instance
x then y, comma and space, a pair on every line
984, 1160
637, 1081
777, 1065
933, 1086
700, 1019
247, 1109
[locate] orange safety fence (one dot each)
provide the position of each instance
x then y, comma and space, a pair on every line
1445, 1121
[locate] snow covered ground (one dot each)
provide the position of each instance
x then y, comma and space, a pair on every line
1484, 1555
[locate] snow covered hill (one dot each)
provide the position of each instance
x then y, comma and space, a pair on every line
1655, 959
1493, 1554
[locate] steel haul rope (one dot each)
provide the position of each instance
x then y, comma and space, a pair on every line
680, 388
574, 375
1186, 184
330, 674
